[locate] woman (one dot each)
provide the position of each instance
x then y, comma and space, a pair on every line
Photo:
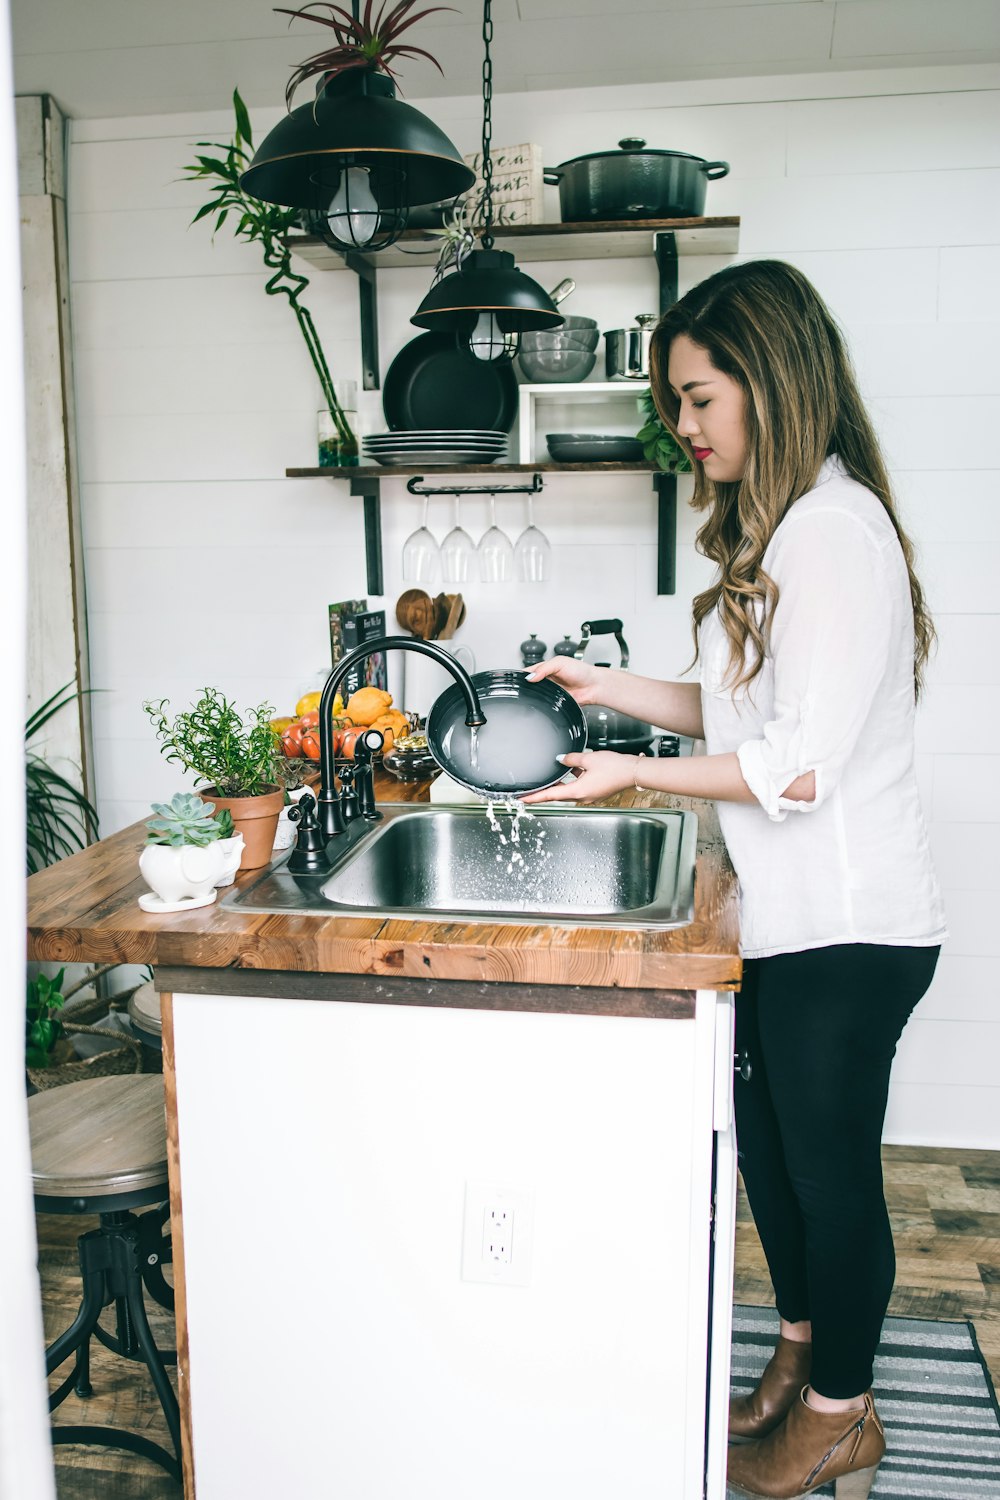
811, 644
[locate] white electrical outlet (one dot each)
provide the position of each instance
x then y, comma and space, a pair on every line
497, 1235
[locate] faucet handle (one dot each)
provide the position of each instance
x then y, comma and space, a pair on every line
367, 746
309, 855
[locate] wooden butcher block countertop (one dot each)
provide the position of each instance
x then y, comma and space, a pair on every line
84, 909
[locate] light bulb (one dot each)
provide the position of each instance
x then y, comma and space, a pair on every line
488, 341
353, 215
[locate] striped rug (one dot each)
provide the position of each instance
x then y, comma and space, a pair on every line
935, 1398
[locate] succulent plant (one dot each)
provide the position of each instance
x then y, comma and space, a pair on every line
369, 41
186, 819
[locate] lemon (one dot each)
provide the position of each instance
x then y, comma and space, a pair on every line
307, 704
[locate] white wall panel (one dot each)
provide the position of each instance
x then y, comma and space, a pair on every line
924, 133
965, 855
195, 395
968, 650
970, 283
966, 788
881, 210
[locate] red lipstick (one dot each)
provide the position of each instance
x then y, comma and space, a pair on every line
702, 453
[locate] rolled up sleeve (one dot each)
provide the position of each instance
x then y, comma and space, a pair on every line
829, 643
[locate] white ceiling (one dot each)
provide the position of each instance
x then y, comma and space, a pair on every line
100, 58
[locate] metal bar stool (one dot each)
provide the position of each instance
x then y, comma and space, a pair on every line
147, 1023
100, 1147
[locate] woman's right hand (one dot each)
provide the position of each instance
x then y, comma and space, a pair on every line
581, 679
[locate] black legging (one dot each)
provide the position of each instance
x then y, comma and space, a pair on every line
820, 1029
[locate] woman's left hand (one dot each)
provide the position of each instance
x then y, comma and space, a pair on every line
601, 772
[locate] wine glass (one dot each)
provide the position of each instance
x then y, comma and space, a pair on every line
533, 552
496, 551
421, 553
457, 552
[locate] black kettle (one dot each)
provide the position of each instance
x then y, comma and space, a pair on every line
607, 729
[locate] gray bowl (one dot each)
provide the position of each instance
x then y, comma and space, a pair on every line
586, 339
540, 366
575, 325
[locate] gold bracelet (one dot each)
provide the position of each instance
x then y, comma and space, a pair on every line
635, 773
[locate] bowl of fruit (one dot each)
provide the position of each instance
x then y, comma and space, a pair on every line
298, 734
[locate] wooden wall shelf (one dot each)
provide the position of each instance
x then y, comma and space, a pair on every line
400, 471
538, 242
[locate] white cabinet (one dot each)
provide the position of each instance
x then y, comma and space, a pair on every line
606, 406
337, 1347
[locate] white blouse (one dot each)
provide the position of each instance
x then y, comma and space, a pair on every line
835, 697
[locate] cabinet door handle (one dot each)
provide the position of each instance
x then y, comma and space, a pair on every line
742, 1065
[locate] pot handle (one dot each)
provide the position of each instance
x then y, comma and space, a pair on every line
714, 169
552, 176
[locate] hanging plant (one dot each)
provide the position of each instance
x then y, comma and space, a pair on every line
267, 224
367, 42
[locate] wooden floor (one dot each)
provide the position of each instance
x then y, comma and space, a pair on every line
945, 1208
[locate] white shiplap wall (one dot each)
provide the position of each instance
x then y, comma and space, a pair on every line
205, 565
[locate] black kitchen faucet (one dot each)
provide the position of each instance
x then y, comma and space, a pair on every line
339, 806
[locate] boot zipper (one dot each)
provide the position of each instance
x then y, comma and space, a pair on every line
858, 1427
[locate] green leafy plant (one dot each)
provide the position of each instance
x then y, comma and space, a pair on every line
43, 1027
267, 224
186, 819
659, 445
368, 41
60, 819
224, 750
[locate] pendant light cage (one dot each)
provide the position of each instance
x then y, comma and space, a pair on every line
355, 161
358, 205
487, 302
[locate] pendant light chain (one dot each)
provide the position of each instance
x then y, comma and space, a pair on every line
487, 201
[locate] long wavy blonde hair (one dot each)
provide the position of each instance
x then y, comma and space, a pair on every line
763, 324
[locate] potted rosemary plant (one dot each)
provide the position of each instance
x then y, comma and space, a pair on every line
233, 756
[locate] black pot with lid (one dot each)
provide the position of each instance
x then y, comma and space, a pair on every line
634, 182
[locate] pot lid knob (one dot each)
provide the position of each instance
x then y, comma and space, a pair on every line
632, 143
647, 320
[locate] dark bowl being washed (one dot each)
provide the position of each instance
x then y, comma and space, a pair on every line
527, 725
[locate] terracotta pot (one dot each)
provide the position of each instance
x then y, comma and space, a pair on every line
255, 817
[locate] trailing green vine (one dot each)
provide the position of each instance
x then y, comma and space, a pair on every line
267, 223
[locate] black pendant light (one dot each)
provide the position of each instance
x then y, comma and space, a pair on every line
356, 159
487, 302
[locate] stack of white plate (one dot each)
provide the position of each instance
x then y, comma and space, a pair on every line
436, 446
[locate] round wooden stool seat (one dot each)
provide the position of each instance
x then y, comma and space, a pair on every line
104, 1138
100, 1146
144, 1013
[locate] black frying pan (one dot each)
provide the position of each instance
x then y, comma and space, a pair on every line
527, 725
432, 383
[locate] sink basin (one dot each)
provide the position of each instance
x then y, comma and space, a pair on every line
590, 867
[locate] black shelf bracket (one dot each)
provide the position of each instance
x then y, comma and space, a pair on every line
368, 309
665, 486
370, 487
665, 251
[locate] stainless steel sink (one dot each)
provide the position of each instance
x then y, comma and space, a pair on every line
590, 867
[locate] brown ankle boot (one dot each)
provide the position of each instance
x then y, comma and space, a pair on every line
810, 1449
787, 1371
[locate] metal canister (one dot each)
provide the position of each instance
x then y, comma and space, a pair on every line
626, 350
